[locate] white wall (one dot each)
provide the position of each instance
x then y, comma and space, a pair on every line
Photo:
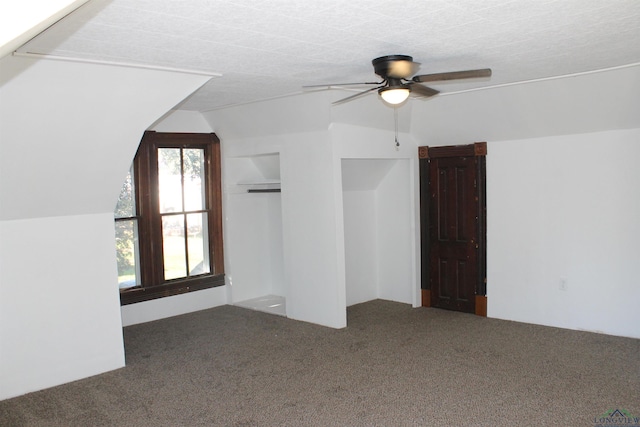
254, 243
360, 243
276, 250
312, 244
250, 246
397, 235
182, 121
59, 304
68, 133
176, 305
565, 208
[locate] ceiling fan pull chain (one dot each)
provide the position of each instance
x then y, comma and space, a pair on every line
395, 117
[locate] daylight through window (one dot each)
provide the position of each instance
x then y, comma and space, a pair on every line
168, 218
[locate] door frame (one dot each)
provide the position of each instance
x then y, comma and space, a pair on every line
425, 153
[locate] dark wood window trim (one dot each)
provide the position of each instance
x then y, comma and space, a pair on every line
152, 280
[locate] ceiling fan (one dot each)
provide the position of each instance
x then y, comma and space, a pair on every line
397, 83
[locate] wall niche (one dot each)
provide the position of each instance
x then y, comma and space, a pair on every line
254, 232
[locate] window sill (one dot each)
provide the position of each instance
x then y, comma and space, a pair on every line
177, 287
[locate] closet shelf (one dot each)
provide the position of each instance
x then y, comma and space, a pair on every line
266, 186
262, 182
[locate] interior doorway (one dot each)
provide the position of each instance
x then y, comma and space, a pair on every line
453, 227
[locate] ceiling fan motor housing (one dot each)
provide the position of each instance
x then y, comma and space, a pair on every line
389, 66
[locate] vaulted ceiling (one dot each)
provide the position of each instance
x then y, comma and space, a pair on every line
270, 48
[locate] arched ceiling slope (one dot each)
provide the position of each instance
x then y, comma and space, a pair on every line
68, 132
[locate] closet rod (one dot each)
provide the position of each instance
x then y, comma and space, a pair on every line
263, 190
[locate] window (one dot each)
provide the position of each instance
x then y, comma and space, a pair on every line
169, 218
127, 249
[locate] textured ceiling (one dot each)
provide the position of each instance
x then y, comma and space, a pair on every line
271, 48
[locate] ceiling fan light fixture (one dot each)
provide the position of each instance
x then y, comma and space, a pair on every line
397, 82
394, 95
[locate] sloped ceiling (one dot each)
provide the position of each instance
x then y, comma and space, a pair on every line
591, 102
271, 48
27, 18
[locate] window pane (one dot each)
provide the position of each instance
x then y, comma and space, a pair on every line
173, 244
127, 253
126, 208
193, 179
169, 180
198, 246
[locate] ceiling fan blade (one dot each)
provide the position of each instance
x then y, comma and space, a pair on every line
422, 91
453, 75
357, 95
341, 84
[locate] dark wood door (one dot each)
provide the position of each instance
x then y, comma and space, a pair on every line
454, 226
